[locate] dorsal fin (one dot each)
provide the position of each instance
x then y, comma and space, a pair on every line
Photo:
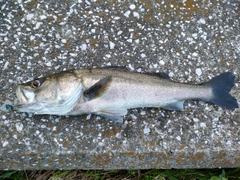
121, 68
160, 74
98, 88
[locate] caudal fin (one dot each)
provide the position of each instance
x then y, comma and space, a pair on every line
221, 86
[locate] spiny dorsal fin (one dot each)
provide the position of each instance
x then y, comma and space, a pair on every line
98, 88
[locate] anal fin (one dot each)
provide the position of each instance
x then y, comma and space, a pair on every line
177, 105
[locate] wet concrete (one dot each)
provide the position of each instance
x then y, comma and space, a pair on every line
192, 41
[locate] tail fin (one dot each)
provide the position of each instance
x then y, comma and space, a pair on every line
221, 86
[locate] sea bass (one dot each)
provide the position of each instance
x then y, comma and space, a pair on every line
109, 92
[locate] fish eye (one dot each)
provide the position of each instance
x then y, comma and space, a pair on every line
35, 83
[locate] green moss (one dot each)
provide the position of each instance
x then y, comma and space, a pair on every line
159, 174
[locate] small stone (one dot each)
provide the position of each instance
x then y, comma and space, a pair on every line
195, 54
19, 127
178, 138
146, 130
83, 47
198, 71
5, 143
111, 45
171, 74
132, 6
127, 13
29, 16
136, 14
162, 62
202, 21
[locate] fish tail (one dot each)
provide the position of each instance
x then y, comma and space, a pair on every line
221, 86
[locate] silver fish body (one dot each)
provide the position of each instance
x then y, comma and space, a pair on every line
110, 92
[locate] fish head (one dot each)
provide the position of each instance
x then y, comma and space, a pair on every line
56, 94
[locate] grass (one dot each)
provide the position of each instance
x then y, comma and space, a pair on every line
152, 174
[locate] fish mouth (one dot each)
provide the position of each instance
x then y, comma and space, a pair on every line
24, 96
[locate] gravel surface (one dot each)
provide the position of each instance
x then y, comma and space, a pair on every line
192, 41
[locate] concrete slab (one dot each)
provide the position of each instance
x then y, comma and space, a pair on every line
192, 41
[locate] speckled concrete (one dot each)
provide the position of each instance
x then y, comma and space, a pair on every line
192, 41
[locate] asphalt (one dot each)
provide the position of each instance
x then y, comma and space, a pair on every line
192, 41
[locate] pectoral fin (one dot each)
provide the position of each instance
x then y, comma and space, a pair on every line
117, 119
98, 88
178, 105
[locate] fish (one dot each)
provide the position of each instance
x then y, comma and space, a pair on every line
110, 91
